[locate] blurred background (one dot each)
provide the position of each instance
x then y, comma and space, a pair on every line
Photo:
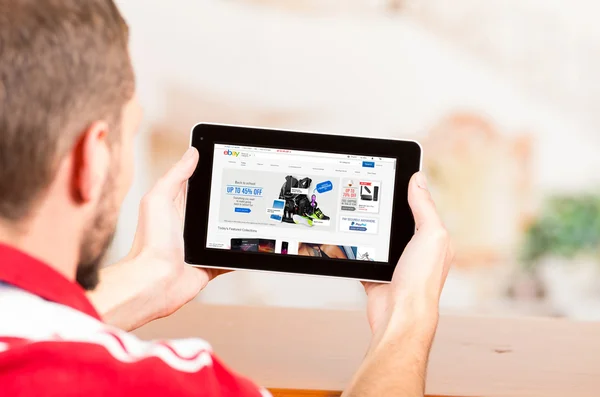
503, 94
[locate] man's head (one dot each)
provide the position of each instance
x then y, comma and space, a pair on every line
68, 115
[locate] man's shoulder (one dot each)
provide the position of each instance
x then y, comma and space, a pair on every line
46, 346
116, 366
27, 316
27, 319
101, 363
110, 363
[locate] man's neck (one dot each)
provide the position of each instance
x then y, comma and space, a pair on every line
47, 239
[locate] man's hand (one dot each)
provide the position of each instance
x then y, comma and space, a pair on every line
153, 281
158, 243
403, 315
421, 271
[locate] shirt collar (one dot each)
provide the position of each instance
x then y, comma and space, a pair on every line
30, 274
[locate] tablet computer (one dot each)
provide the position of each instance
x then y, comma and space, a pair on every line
298, 202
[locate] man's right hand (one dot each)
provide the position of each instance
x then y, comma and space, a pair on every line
403, 314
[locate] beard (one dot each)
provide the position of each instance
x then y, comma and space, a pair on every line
98, 236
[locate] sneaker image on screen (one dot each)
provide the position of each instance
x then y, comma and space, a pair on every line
318, 214
302, 220
299, 208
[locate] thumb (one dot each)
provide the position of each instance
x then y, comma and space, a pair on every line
421, 203
170, 183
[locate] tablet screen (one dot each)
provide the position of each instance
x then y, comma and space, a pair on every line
294, 202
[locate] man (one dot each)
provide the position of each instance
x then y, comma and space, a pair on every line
68, 115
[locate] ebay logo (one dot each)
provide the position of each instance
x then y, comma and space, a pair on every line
230, 153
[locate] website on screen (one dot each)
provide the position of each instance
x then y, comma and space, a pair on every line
292, 202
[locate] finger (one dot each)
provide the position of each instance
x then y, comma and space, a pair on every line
180, 200
206, 274
421, 203
369, 286
449, 260
171, 183
214, 273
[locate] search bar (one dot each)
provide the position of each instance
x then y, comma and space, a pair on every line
302, 160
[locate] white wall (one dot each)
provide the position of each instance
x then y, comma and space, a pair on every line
549, 47
362, 75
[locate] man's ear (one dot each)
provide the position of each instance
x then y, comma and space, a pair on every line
91, 162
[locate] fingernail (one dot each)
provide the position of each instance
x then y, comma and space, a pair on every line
421, 180
188, 154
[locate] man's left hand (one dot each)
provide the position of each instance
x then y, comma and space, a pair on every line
153, 281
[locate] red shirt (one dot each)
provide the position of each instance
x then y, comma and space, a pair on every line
53, 343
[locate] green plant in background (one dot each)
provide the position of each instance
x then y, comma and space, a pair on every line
568, 227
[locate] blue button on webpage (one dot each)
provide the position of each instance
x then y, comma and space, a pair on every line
369, 164
242, 209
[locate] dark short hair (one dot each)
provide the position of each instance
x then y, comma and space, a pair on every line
63, 65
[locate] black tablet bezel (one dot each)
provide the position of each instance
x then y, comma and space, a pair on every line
204, 136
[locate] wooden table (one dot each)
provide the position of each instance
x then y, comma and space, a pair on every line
309, 393
314, 353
